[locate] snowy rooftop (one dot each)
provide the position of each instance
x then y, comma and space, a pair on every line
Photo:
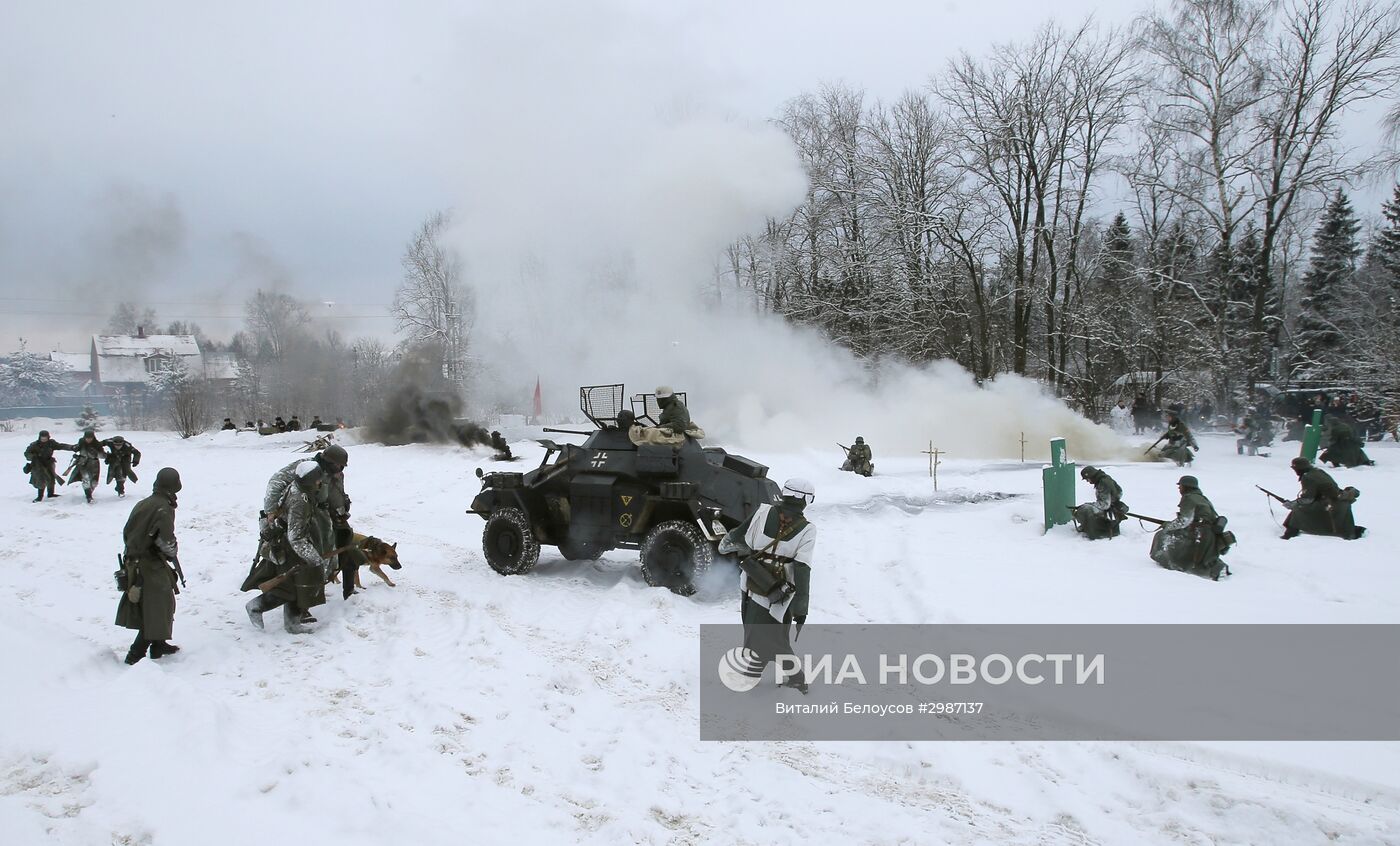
134, 345
72, 362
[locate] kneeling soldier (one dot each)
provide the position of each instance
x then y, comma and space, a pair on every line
1100, 518
1321, 508
1196, 539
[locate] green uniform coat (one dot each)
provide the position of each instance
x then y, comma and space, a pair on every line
1191, 541
1321, 507
43, 474
121, 457
1343, 446
150, 542
674, 417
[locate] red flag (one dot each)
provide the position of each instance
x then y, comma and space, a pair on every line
539, 405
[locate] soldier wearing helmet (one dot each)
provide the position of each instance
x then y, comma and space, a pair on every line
780, 540
858, 458
1321, 508
1196, 539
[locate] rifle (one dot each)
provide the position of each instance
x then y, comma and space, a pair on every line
175, 562
1154, 443
846, 448
1273, 495
1148, 519
276, 581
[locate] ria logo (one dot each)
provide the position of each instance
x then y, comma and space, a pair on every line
740, 669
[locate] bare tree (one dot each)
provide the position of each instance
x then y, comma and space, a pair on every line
432, 305
128, 319
1317, 68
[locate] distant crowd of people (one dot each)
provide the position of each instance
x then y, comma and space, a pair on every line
279, 425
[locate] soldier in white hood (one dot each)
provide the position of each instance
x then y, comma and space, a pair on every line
776, 544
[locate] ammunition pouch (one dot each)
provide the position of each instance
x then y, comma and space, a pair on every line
767, 576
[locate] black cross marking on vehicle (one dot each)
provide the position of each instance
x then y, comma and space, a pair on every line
600, 460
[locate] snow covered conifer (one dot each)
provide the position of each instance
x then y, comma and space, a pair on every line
1322, 323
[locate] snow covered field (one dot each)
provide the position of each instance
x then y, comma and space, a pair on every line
463, 707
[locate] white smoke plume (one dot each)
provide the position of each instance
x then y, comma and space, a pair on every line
600, 194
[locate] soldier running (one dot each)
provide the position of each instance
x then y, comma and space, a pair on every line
41, 466
1180, 441
290, 571
86, 467
122, 455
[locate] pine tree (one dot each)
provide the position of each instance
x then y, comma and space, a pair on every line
1322, 332
1384, 253
89, 419
26, 378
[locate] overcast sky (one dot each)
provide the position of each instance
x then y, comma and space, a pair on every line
184, 154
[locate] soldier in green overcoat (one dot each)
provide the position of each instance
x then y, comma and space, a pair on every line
1180, 441
87, 458
39, 464
1196, 539
1321, 507
150, 566
1343, 446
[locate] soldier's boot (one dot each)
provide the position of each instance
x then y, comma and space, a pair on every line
51, 493
39, 496
87, 493
256, 606
137, 650
121, 491
291, 620
162, 648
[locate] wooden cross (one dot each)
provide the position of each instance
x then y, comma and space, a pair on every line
933, 462
1023, 447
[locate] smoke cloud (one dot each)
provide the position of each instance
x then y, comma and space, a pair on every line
420, 408
600, 193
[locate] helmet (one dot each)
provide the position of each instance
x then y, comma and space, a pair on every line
309, 474
118, 439
859, 439
1300, 464
43, 433
625, 419
336, 454
168, 480
799, 487
1088, 472
1189, 482
664, 392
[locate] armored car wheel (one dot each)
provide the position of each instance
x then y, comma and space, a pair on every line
509, 543
674, 554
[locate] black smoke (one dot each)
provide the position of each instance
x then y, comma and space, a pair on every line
423, 407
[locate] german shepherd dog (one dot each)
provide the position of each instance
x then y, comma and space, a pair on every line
377, 554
